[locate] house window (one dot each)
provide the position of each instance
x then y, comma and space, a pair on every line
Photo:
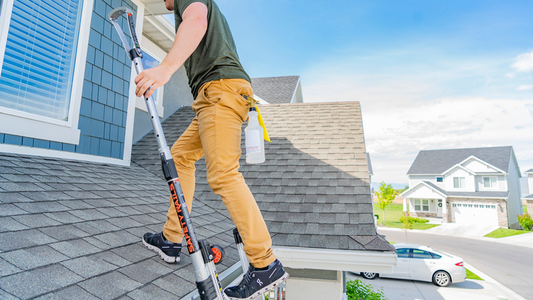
490, 182
42, 61
37, 66
454, 205
440, 179
458, 182
421, 205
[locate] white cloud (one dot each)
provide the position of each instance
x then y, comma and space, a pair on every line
525, 87
412, 106
394, 137
523, 62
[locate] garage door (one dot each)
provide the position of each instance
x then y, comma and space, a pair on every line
467, 213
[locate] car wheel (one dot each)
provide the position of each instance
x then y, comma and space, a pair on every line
369, 275
442, 278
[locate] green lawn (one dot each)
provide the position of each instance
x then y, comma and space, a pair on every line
393, 212
470, 275
503, 232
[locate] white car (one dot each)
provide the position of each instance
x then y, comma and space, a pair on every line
423, 263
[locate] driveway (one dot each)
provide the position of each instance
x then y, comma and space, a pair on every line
470, 230
509, 264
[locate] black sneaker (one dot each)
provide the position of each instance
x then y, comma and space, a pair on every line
169, 252
255, 282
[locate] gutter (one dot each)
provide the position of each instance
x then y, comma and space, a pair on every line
319, 259
339, 260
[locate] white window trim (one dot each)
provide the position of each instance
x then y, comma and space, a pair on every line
460, 187
495, 187
154, 51
421, 204
34, 126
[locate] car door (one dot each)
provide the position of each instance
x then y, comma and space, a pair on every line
401, 269
421, 265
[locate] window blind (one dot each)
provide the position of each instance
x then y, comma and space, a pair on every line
40, 56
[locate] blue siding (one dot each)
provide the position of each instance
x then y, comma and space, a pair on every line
104, 103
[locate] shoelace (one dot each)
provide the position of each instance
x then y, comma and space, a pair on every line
246, 280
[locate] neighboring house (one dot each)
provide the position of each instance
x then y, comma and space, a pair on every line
277, 90
313, 191
476, 185
529, 199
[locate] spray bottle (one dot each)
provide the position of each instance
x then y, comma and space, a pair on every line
253, 139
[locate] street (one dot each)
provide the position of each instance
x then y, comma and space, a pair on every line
508, 264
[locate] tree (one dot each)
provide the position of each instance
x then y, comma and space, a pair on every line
385, 196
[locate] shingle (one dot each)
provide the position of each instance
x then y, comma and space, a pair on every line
75, 248
109, 286
71, 292
145, 271
39, 281
174, 284
7, 269
88, 266
36, 220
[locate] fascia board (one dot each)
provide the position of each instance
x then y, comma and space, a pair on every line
481, 161
295, 90
458, 166
410, 189
261, 100
339, 260
404, 194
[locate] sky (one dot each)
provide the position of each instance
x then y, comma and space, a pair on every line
428, 74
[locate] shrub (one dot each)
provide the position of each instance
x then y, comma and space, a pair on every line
525, 221
358, 290
413, 219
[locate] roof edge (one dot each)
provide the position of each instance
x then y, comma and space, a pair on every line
336, 260
314, 103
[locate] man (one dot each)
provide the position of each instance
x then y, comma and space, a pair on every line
219, 84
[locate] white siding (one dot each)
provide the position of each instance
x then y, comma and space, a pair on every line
415, 179
530, 183
470, 184
501, 184
514, 204
423, 192
478, 167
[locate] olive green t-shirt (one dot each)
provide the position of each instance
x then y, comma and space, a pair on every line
216, 56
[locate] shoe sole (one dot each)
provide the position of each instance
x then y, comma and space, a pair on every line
267, 288
166, 258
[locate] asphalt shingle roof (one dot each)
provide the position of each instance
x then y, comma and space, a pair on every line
438, 161
275, 89
72, 230
313, 189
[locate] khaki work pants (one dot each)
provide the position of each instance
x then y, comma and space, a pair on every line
216, 133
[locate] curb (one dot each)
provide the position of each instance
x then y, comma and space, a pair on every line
487, 278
